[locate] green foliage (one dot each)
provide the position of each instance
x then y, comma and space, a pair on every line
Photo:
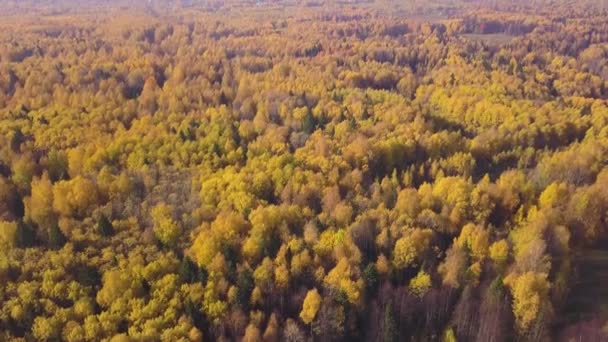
25, 235
56, 237
104, 226
497, 287
17, 138
389, 333
370, 276
190, 273
244, 284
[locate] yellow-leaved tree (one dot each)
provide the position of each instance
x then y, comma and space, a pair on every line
40, 203
311, 305
167, 231
499, 252
420, 284
475, 238
74, 197
341, 278
530, 296
409, 248
8, 231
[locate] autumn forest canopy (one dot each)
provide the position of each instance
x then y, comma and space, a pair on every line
303, 170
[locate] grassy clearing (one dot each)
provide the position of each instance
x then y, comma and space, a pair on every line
589, 296
493, 39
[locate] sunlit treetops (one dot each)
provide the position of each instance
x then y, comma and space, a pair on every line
283, 171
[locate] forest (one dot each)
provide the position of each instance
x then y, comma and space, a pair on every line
303, 170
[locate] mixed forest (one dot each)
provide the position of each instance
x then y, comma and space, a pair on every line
303, 170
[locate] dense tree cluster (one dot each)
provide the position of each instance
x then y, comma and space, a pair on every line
285, 171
